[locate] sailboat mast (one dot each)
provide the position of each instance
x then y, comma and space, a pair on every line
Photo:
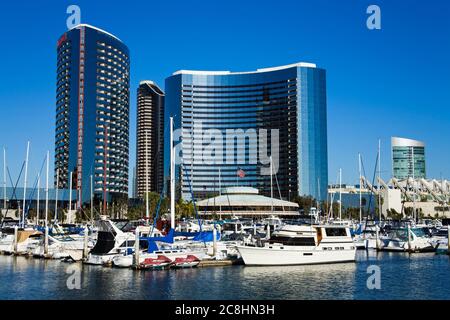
380, 206
172, 177
38, 198
271, 183
4, 179
220, 193
340, 193
70, 192
414, 184
92, 199
25, 184
56, 195
147, 208
46, 191
360, 188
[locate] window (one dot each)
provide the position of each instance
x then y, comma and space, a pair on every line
336, 232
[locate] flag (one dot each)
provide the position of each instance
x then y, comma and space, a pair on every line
241, 173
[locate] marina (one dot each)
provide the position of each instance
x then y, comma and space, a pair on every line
403, 276
253, 153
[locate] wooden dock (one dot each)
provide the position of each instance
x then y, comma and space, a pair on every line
218, 263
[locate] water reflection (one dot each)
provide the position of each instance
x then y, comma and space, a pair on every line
302, 282
403, 276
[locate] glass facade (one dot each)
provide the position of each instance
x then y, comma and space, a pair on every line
408, 159
223, 118
92, 113
150, 138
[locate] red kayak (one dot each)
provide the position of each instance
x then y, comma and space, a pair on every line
189, 262
157, 263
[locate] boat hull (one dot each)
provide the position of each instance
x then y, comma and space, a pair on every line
255, 256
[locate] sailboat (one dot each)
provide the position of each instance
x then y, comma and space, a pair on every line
154, 248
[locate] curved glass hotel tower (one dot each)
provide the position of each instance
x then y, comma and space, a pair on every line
92, 113
219, 112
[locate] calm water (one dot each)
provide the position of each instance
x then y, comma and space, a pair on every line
403, 276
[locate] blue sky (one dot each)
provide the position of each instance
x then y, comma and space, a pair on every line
382, 83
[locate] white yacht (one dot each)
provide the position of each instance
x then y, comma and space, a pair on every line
397, 240
298, 245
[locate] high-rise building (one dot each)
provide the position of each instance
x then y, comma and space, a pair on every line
92, 113
242, 110
150, 138
408, 158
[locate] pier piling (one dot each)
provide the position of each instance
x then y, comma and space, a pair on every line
214, 242
448, 239
377, 238
409, 238
136, 249
46, 241
16, 231
85, 243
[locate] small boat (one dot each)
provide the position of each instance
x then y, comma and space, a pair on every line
189, 262
158, 263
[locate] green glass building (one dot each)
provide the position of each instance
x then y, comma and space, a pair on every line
408, 158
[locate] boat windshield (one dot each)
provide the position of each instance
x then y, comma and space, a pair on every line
419, 232
401, 234
230, 227
122, 224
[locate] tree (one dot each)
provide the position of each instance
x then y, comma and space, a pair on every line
138, 211
327, 207
352, 213
305, 203
184, 209
392, 213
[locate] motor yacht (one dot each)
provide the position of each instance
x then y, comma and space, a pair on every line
114, 238
299, 245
